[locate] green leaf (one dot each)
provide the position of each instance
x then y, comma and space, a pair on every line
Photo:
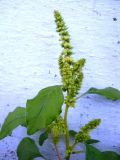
93, 153
44, 108
110, 155
27, 150
42, 138
72, 133
109, 92
92, 141
14, 119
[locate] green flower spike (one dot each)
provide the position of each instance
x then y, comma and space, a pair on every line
91, 125
83, 135
71, 72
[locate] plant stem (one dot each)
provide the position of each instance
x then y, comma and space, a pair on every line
73, 146
68, 157
57, 151
67, 137
67, 130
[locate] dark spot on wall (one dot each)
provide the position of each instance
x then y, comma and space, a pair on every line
118, 42
114, 19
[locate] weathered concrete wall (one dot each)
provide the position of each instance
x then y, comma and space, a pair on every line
29, 50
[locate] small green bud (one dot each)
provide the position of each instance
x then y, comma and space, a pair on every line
70, 101
68, 60
59, 29
65, 38
64, 33
67, 52
66, 45
60, 24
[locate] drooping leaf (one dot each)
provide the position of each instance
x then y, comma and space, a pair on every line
13, 120
72, 133
93, 153
27, 150
44, 108
92, 141
110, 155
42, 138
109, 92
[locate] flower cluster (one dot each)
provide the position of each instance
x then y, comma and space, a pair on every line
91, 125
71, 71
57, 128
82, 137
83, 134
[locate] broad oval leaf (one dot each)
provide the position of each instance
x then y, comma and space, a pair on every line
109, 92
14, 119
93, 153
28, 150
110, 155
42, 138
44, 108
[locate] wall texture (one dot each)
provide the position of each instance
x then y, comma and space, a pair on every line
29, 50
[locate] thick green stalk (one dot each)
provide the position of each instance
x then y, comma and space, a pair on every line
67, 130
67, 137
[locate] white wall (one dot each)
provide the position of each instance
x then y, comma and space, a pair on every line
29, 50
